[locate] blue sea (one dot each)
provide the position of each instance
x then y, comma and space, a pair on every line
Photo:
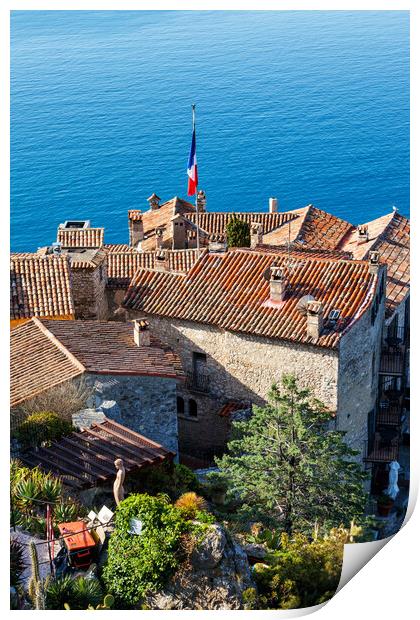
307, 106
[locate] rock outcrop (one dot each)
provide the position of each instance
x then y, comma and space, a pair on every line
216, 577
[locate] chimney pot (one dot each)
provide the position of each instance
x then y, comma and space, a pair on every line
362, 233
256, 234
141, 333
159, 237
201, 201
314, 319
278, 284
162, 260
153, 201
273, 205
374, 262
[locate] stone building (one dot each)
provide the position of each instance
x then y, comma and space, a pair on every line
133, 377
241, 319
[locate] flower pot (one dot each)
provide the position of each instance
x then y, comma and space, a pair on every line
384, 509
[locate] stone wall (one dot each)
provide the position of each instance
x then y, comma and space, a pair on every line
88, 288
146, 405
358, 377
240, 367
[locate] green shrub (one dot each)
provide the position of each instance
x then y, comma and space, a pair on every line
302, 572
238, 233
184, 479
44, 426
167, 478
141, 563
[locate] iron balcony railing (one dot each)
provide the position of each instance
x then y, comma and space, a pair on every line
389, 414
382, 449
392, 363
197, 382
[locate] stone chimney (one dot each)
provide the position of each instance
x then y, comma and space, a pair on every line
153, 201
201, 201
141, 333
278, 284
135, 227
314, 319
273, 205
362, 233
374, 262
162, 260
256, 233
159, 237
179, 232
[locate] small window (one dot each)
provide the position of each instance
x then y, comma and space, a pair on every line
192, 408
180, 405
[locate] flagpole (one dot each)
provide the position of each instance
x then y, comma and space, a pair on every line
196, 202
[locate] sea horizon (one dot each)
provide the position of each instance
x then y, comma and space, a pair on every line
311, 107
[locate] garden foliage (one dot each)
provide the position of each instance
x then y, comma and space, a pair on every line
42, 427
138, 564
302, 572
289, 468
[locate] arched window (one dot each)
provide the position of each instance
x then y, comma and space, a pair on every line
192, 408
180, 405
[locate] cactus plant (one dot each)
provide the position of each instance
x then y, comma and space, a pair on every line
37, 586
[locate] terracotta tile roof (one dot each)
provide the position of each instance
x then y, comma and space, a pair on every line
38, 362
321, 229
108, 347
214, 223
231, 291
123, 265
228, 408
359, 250
297, 251
40, 286
86, 458
119, 247
80, 237
390, 236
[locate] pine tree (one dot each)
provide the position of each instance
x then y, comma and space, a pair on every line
238, 233
289, 468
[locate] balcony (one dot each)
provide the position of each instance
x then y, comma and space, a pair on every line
392, 363
389, 413
197, 382
384, 448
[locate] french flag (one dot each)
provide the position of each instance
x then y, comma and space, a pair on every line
192, 167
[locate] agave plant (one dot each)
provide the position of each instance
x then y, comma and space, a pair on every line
17, 563
58, 592
50, 488
26, 492
66, 511
86, 592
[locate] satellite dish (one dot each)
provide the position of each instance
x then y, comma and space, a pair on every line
302, 304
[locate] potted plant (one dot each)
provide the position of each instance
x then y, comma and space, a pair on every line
217, 488
385, 504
